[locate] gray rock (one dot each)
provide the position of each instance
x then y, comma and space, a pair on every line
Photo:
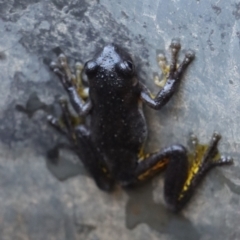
33, 203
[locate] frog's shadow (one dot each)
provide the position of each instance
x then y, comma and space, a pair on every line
141, 208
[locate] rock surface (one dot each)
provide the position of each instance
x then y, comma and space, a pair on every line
33, 203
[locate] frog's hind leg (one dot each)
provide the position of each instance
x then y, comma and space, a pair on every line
200, 164
82, 145
182, 176
92, 160
174, 160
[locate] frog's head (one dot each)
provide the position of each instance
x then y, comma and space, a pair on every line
112, 66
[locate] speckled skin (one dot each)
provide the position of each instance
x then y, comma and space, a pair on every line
111, 146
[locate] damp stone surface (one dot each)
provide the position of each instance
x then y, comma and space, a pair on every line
34, 204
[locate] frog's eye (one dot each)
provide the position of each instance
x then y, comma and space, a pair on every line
90, 68
126, 67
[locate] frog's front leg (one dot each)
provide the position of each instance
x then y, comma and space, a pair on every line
172, 81
182, 176
73, 85
81, 144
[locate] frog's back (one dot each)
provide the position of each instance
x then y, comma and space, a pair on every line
117, 121
118, 130
116, 118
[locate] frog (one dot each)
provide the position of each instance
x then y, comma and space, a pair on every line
110, 143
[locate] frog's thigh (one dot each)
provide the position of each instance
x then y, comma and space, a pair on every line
175, 160
92, 160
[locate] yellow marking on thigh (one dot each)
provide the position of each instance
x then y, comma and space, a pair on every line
158, 166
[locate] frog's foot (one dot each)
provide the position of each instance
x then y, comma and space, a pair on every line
204, 159
69, 80
175, 71
67, 123
162, 63
210, 158
62, 69
56, 124
172, 71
